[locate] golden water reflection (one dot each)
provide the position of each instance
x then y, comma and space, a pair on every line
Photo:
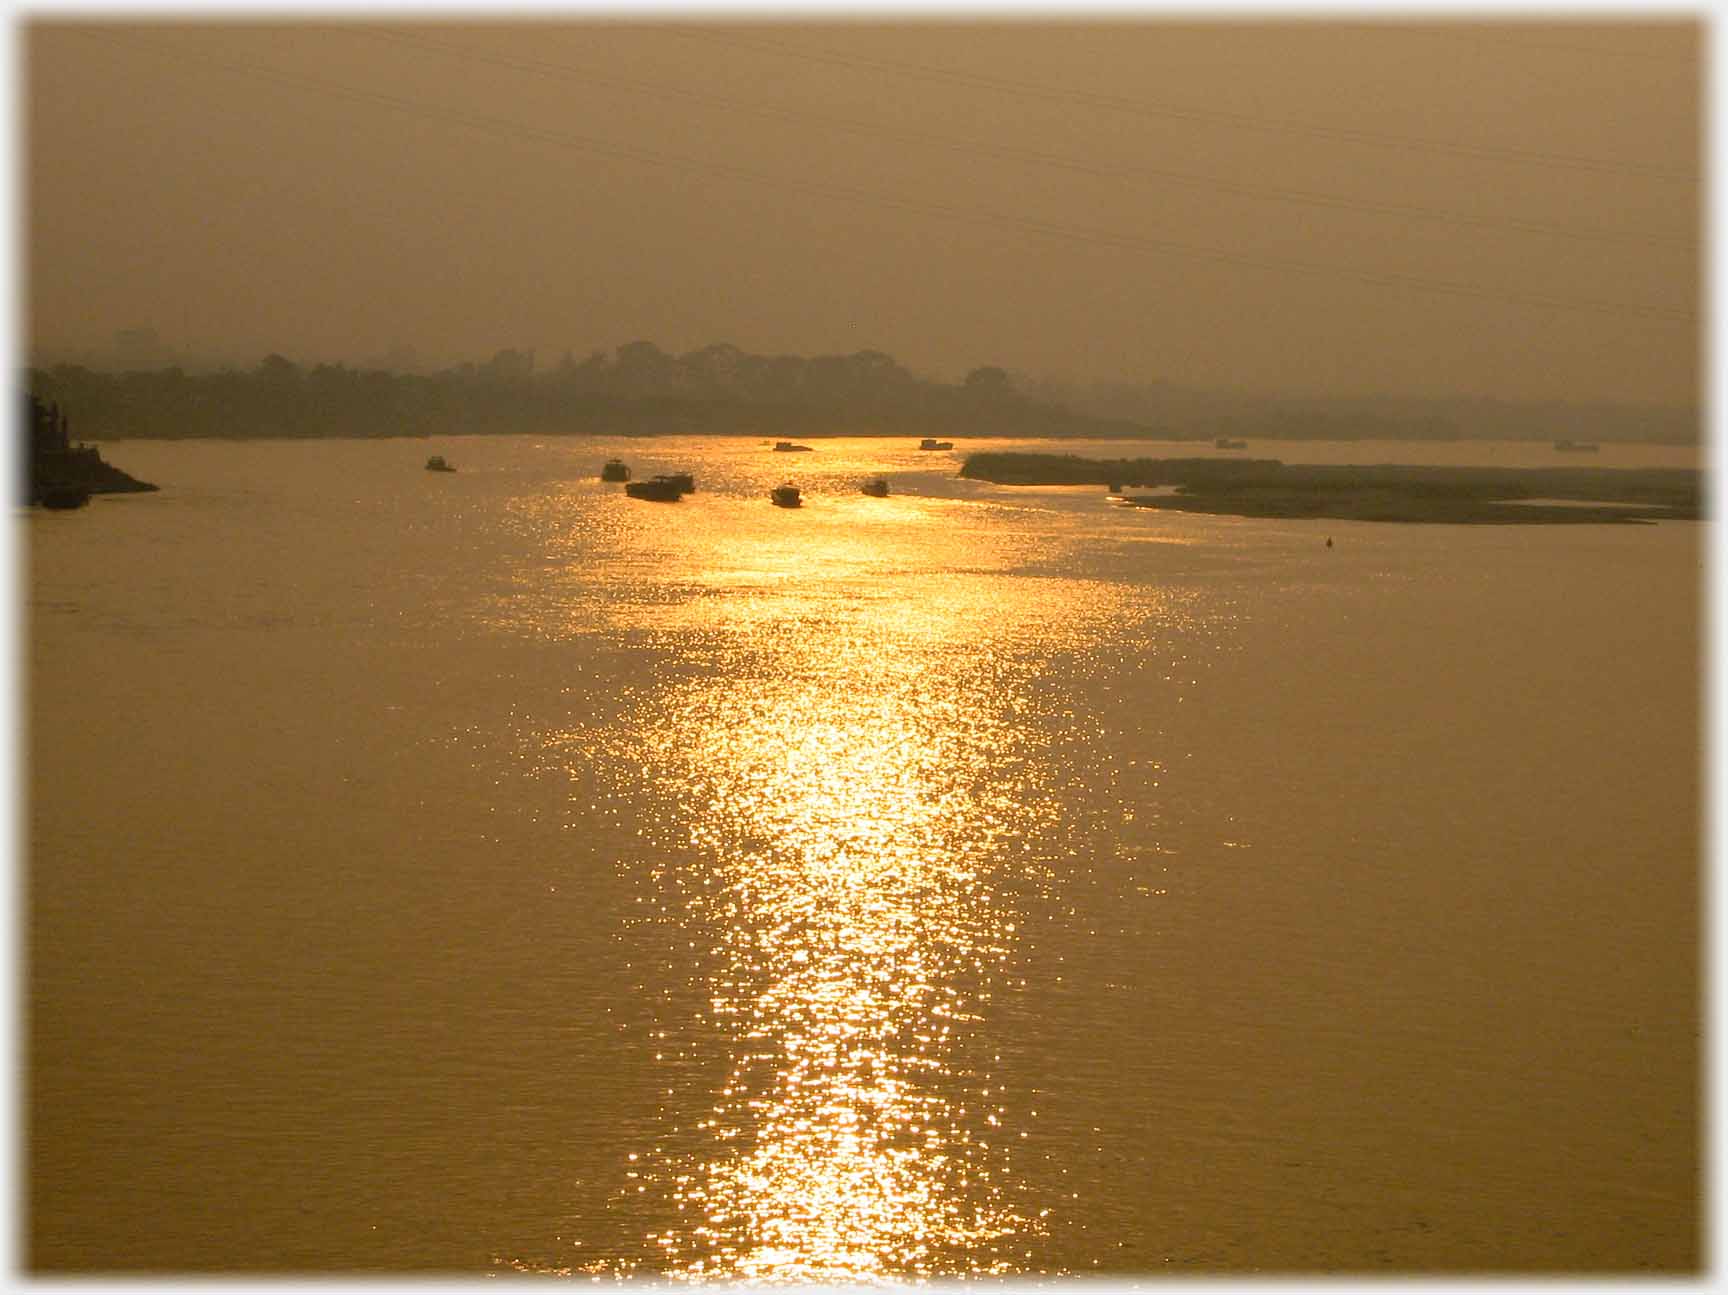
859, 931
852, 813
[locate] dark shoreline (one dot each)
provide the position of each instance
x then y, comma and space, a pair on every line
58, 473
1268, 488
1376, 507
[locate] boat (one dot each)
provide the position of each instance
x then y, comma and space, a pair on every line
787, 447
615, 470
64, 494
928, 444
666, 490
683, 480
786, 496
437, 463
1225, 443
1577, 447
877, 489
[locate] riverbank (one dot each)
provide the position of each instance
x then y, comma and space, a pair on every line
1373, 492
63, 474
84, 467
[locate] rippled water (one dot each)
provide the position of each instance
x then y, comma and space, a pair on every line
487, 872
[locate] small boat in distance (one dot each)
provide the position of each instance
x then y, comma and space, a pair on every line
615, 470
437, 463
786, 496
787, 447
877, 489
928, 444
1225, 443
1577, 447
666, 490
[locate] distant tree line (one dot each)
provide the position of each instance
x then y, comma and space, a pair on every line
637, 389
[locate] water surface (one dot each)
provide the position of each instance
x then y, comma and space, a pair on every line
486, 872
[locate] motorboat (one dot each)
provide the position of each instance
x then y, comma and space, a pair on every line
787, 447
615, 470
683, 480
438, 463
666, 490
877, 489
928, 444
1225, 443
786, 496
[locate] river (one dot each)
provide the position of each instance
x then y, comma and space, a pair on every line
487, 873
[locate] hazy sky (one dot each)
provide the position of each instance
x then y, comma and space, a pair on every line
1203, 202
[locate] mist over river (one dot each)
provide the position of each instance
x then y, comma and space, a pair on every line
485, 872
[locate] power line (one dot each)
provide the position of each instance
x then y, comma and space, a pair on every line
588, 76
1146, 108
1067, 232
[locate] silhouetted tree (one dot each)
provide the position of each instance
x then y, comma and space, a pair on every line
278, 370
509, 366
989, 381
